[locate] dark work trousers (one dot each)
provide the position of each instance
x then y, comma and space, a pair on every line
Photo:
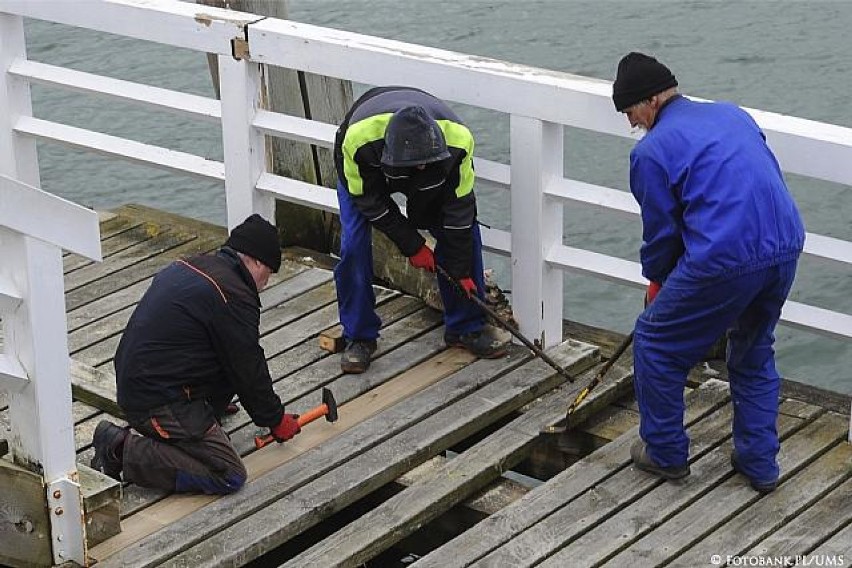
673, 334
354, 278
182, 448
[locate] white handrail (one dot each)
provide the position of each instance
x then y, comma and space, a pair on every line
538, 101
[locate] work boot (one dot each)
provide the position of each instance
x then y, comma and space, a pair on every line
481, 343
641, 459
356, 356
762, 487
108, 442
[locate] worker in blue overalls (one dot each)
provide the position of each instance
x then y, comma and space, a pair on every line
404, 140
721, 237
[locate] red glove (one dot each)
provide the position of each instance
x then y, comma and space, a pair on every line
653, 290
423, 258
468, 286
287, 428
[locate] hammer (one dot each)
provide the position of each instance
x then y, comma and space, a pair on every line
328, 408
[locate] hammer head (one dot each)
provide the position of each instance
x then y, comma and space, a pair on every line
328, 400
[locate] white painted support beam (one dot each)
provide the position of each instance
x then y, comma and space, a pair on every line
13, 377
817, 320
536, 149
10, 297
480, 81
295, 128
181, 24
242, 91
795, 314
299, 192
23, 208
116, 147
127, 91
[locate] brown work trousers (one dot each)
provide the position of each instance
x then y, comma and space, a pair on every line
182, 448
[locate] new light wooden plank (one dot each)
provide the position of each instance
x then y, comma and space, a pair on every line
302, 508
806, 531
290, 464
684, 529
574, 481
625, 522
307, 370
773, 511
404, 513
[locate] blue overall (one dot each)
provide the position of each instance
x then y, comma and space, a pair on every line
723, 235
354, 278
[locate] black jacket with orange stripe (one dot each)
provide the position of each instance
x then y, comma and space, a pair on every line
195, 334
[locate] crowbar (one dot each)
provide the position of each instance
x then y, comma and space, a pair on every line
506, 325
581, 396
328, 408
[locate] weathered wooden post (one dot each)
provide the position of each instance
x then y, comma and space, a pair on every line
307, 96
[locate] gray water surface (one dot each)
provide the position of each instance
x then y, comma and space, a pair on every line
787, 57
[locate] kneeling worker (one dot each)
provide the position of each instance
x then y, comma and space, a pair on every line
192, 343
404, 140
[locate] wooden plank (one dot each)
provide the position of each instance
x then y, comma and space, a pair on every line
838, 545
109, 229
24, 523
773, 511
611, 422
421, 438
315, 371
491, 499
289, 465
114, 324
602, 528
106, 305
132, 274
134, 254
573, 518
133, 235
416, 506
574, 481
683, 530
95, 387
301, 392
812, 527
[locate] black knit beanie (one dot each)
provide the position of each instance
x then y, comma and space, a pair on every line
257, 238
639, 77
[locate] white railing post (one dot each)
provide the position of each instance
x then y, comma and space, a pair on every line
537, 158
241, 87
34, 360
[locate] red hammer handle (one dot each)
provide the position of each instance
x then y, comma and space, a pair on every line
306, 418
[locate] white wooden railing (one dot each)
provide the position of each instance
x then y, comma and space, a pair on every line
540, 103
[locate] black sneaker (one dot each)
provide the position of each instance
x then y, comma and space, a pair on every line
641, 459
763, 487
480, 343
107, 441
356, 357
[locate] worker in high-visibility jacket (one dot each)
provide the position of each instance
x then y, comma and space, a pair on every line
404, 140
721, 237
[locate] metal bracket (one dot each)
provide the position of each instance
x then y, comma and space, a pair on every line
240, 48
67, 525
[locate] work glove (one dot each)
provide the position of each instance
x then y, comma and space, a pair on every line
468, 286
423, 258
651, 293
287, 428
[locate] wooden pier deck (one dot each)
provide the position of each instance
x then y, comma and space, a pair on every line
418, 400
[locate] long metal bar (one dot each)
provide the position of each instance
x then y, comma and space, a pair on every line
506, 325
